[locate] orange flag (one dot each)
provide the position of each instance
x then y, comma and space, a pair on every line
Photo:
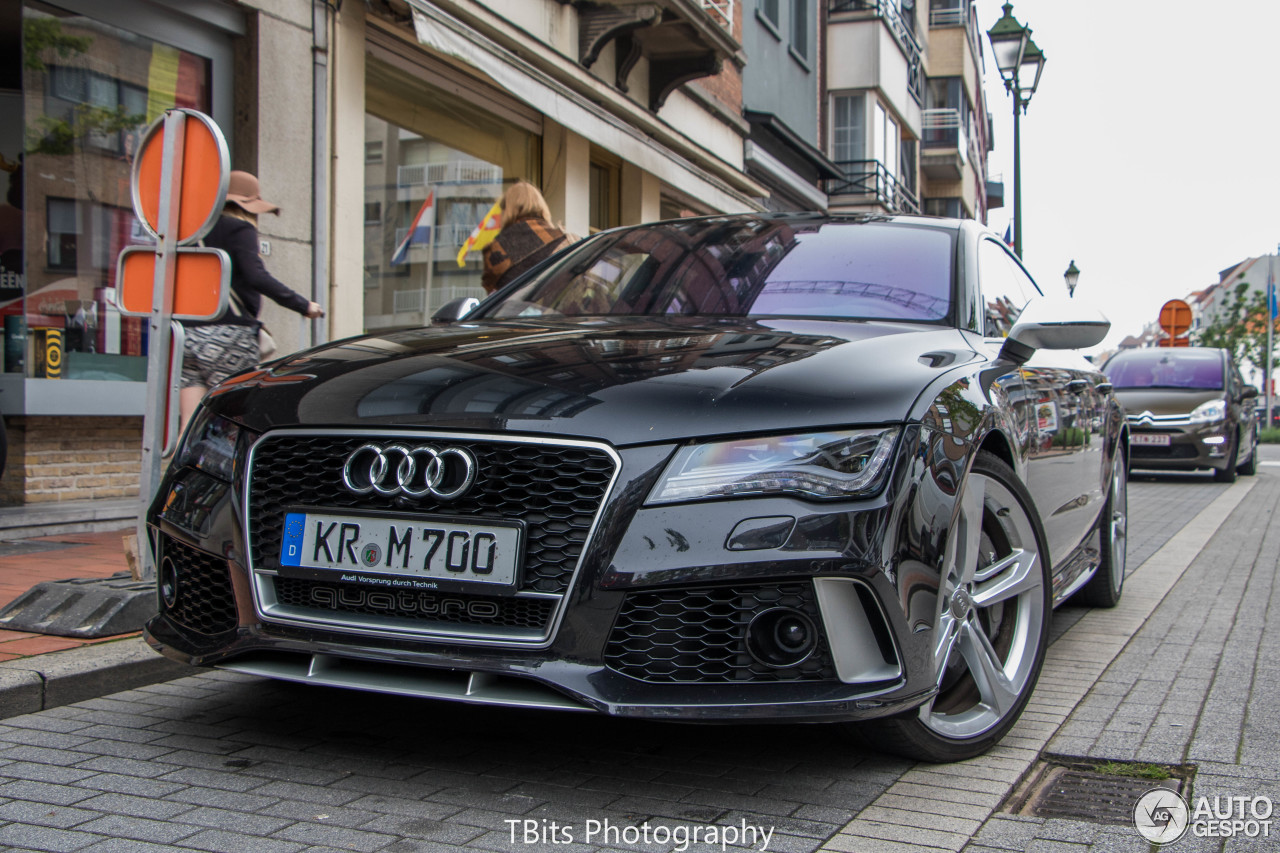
483, 234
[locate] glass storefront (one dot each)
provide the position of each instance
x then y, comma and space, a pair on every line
435, 163
74, 101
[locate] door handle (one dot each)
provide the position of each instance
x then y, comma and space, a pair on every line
1075, 386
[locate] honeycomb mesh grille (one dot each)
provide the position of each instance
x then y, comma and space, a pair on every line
530, 613
557, 491
205, 602
700, 635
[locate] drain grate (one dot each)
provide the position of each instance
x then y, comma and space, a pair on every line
1073, 790
1081, 795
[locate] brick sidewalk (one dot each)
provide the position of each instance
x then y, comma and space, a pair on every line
1198, 684
26, 562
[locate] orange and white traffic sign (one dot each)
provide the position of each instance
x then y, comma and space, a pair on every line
202, 173
179, 185
203, 278
1175, 318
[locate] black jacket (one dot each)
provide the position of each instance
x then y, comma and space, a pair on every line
249, 277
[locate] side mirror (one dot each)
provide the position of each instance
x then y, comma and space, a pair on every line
455, 309
1248, 392
1054, 324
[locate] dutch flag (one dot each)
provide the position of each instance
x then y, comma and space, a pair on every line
419, 232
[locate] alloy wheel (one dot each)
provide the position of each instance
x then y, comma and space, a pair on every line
992, 609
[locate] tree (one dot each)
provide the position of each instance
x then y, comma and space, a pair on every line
1240, 327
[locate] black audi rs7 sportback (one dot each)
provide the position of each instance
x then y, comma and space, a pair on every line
788, 467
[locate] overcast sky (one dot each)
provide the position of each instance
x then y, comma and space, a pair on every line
1150, 151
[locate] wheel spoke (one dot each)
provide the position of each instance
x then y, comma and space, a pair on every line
969, 528
947, 630
997, 691
1009, 576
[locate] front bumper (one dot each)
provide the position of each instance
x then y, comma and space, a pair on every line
652, 625
1187, 446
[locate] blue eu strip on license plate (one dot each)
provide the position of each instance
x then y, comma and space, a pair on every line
362, 548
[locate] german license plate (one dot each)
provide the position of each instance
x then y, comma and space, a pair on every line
424, 552
1153, 438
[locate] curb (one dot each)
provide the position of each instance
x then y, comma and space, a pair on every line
40, 682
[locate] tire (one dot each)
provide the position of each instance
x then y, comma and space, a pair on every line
1228, 474
1250, 467
994, 611
1107, 584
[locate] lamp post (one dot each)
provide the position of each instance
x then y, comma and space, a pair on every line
1020, 63
1072, 275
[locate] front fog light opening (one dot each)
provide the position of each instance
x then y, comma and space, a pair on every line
781, 638
168, 583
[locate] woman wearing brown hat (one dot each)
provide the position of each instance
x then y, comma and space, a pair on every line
215, 349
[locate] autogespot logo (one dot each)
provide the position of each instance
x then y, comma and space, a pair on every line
1161, 816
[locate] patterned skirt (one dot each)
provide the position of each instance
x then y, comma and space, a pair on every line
212, 353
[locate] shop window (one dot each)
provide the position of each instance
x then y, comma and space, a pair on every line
435, 163
68, 136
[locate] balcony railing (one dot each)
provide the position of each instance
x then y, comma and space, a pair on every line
948, 13
453, 172
903, 33
942, 128
871, 178
721, 11
447, 236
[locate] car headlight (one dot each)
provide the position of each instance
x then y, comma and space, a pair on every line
211, 444
1210, 412
835, 464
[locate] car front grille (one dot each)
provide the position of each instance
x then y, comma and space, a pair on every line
204, 600
556, 489
700, 635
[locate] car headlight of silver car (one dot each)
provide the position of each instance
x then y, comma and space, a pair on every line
822, 465
211, 444
1209, 413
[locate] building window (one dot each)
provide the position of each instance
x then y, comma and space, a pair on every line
800, 28
373, 213
373, 152
769, 11
605, 185
943, 207
849, 128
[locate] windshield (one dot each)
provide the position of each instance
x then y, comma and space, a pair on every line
1199, 370
746, 267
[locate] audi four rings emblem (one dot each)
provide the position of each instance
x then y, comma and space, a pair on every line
411, 471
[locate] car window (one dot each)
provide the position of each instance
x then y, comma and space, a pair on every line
1006, 289
747, 267
1166, 367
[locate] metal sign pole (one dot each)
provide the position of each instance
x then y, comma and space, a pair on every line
159, 333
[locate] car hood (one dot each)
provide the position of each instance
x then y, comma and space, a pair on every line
624, 380
1164, 401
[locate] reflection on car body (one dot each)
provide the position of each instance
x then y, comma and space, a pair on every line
730, 468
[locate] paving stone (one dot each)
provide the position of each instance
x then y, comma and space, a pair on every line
44, 814
141, 829
19, 836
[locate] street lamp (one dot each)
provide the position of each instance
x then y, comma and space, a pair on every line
1072, 275
1020, 63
